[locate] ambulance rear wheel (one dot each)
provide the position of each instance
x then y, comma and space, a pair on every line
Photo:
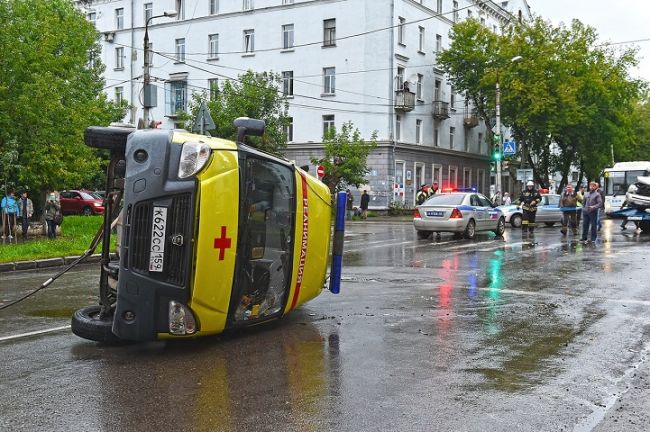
86, 323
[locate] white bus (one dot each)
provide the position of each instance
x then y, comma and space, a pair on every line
619, 178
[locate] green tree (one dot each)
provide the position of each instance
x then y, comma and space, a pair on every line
50, 92
345, 157
252, 94
568, 101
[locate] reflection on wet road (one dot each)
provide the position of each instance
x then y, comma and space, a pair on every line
542, 334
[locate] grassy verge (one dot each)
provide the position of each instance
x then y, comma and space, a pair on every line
76, 234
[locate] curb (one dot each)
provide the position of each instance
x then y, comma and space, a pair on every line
45, 263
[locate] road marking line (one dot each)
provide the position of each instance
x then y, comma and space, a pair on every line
34, 333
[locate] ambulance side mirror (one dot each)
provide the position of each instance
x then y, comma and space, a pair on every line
248, 126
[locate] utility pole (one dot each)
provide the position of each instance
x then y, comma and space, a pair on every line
149, 91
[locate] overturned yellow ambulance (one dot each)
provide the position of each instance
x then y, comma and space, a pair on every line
214, 235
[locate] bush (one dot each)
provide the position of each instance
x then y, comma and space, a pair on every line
398, 208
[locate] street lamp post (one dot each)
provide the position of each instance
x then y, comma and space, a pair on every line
146, 103
499, 143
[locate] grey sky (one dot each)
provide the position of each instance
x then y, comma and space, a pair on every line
615, 21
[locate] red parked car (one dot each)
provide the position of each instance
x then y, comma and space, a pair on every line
80, 202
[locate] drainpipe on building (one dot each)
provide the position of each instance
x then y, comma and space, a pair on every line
133, 54
391, 108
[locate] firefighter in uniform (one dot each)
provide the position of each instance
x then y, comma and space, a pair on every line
529, 199
422, 194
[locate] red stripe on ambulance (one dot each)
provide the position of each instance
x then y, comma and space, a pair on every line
303, 243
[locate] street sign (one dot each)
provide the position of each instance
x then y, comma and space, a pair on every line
203, 122
509, 148
523, 175
320, 171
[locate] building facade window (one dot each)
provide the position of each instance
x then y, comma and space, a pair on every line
180, 50
329, 80
480, 143
119, 58
288, 129
438, 43
453, 179
180, 9
436, 90
436, 140
469, 14
213, 85
119, 95
213, 46
400, 30
214, 7
175, 97
418, 87
421, 39
329, 32
398, 127
286, 2
92, 17
287, 83
249, 41
455, 11
418, 131
328, 123
452, 98
439, 6
148, 12
119, 18
452, 132
399, 79
247, 5
287, 36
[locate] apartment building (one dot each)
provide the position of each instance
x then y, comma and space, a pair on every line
372, 62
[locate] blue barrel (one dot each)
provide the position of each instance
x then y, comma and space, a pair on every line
337, 244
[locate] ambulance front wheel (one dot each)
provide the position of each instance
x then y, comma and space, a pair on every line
86, 323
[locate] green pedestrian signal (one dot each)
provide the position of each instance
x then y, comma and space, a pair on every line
496, 155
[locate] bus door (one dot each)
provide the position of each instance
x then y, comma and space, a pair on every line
266, 237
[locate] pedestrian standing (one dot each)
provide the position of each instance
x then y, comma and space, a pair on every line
9, 207
528, 200
506, 199
52, 209
590, 206
365, 200
25, 212
349, 205
568, 205
601, 210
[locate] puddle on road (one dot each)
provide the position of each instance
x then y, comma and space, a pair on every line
534, 350
52, 313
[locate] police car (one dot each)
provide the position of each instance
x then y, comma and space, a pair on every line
460, 212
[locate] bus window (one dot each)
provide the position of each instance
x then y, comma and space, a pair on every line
615, 183
631, 177
263, 270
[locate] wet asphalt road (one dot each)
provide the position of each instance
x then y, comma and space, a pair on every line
491, 334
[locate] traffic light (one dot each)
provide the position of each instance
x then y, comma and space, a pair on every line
493, 166
496, 154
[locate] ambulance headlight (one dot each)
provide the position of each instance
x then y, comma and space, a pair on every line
181, 319
194, 156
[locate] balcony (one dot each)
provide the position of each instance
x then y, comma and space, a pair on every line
404, 100
470, 118
440, 110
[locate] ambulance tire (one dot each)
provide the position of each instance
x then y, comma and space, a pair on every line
645, 227
86, 324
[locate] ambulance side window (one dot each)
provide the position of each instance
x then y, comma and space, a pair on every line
266, 238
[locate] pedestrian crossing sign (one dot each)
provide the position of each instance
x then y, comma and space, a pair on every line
509, 148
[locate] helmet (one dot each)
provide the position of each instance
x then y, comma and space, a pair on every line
530, 183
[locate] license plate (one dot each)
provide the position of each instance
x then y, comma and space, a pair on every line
435, 213
157, 250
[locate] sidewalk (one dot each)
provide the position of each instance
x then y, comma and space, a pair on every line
46, 262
